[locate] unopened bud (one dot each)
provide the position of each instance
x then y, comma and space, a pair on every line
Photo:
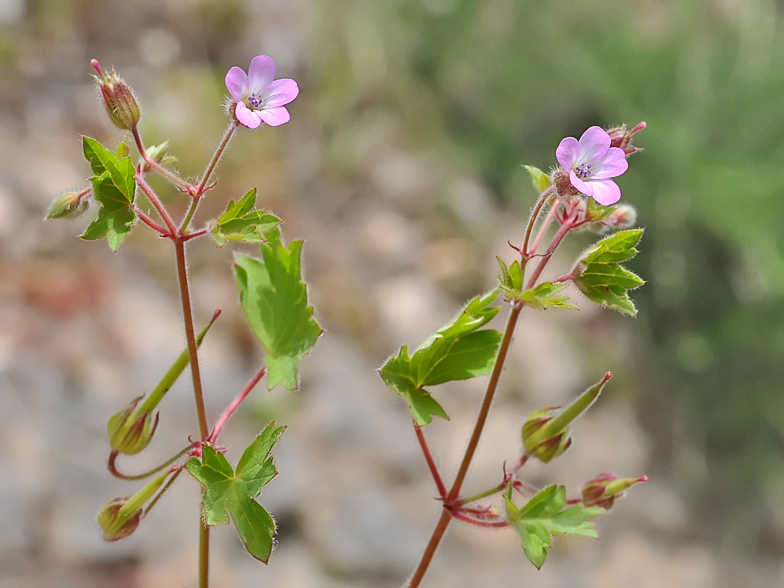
544, 448
118, 98
546, 437
70, 204
130, 431
605, 488
623, 217
621, 138
120, 516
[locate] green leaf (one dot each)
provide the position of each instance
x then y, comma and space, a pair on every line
544, 296
540, 179
227, 492
114, 186
545, 515
275, 301
460, 350
600, 276
241, 223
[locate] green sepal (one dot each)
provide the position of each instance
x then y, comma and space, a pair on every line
545, 515
541, 180
600, 276
544, 296
275, 301
240, 222
460, 350
596, 212
114, 187
510, 281
231, 493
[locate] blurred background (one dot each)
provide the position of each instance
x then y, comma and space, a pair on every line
401, 167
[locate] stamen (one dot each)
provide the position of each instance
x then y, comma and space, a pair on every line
583, 170
255, 100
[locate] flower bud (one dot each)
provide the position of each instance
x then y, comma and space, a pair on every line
623, 217
118, 98
120, 516
605, 488
70, 204
548, 447
130, 431
546, 437
621, 138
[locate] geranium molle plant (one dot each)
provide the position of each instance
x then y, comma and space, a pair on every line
579, 194
271, 293
258, 96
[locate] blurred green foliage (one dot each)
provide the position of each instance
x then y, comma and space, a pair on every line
498, 83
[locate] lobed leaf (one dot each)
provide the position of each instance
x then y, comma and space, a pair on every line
600, 276
544, 296
540, 179
241, 222
544, 515
114, 186
229, 495
460, 350
275, 301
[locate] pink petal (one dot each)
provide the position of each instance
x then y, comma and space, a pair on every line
606, 192
594, 144
249, 118
275, 117
261, 72
281, 92
237, 83
568, 152
611, 165
582, 187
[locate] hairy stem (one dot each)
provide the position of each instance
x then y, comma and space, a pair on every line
559, 236
546, 195
172, 177
155, 201
190, 335
112, 466
235, 404
430, 462
203, 184
204, 555
481, 419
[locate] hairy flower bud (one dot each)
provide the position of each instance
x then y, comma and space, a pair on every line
621, 138
118, 98
70, 204
544, 448
130, 431
623, 217
119, 517
605, 488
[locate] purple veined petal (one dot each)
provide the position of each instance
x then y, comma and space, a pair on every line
568, 152
237, 83
249, 118
261, 72
606, 192
275, 117
594, 144
280, 92
611, 165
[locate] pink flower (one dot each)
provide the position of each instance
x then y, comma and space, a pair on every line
259, 96
591, 163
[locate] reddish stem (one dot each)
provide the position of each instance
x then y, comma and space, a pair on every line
152, 224
213, 437
173, 178
112, 466
430, 462
491, 524
153, 198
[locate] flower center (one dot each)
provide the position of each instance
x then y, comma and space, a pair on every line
583, 170
255, 100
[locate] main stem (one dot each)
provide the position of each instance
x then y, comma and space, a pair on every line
446, 516
190, 335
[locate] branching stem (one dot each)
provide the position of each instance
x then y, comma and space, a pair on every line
430, 462
213, 437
